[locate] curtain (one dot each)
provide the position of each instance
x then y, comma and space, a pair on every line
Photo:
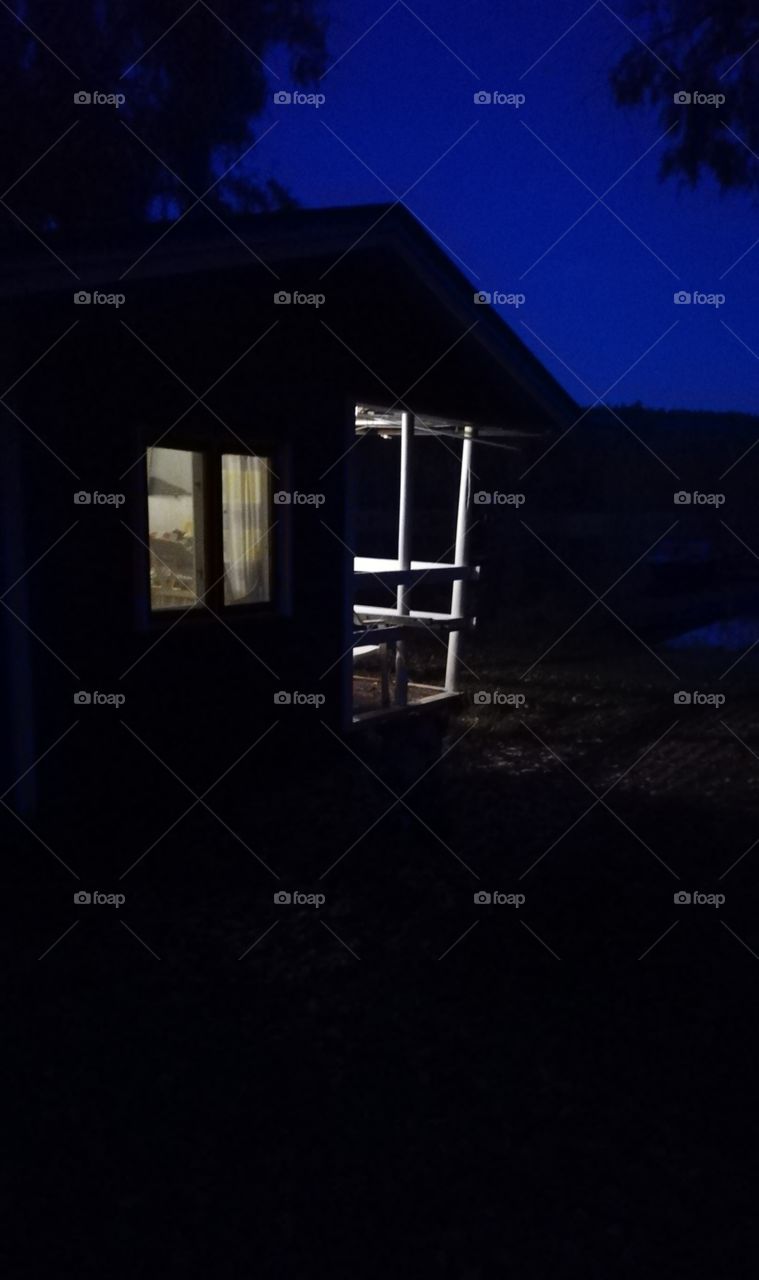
245, 482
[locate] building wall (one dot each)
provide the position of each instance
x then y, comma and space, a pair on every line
199, 691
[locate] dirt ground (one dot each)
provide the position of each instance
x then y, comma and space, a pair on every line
282, 1071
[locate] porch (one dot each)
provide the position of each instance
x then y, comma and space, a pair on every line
384, 634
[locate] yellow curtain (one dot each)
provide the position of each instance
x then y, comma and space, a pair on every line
246, 484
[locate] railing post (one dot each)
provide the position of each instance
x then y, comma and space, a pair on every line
404, 547
461, 558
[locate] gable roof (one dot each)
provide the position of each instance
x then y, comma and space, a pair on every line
261, 241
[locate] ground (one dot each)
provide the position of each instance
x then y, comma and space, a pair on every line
289, 1088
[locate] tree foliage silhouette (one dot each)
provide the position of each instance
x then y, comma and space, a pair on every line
195, 81
713, 47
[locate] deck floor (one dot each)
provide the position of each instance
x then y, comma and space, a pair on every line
367, 692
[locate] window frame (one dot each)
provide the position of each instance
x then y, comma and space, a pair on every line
212, 551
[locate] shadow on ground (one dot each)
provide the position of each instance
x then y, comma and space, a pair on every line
282, 1071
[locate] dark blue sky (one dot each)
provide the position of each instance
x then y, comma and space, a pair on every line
600, 298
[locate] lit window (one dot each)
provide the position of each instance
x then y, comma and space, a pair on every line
246, 503
175, 524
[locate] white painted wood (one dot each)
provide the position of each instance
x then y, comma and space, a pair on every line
405, 512
462, 551
410, 577
370, 564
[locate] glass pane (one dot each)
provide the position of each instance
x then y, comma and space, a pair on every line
246, 502
175, 524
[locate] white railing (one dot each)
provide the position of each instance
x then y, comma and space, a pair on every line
390, 574
388, 629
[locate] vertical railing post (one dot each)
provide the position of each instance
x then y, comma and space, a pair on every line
461, 558
405, 523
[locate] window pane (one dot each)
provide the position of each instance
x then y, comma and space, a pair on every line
246, 500
175, 523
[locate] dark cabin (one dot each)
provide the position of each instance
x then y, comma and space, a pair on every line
180, 566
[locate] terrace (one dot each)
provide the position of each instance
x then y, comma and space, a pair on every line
384, 634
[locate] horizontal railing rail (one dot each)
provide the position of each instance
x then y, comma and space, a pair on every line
389, 574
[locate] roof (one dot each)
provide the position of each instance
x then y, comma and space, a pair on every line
262, 241
388, 423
